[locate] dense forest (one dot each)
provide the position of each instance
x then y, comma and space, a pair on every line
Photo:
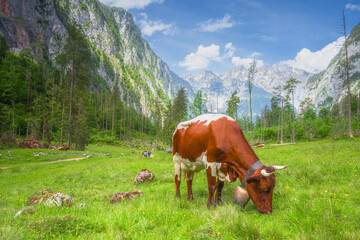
60, 105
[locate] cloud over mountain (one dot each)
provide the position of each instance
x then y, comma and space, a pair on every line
128, 4
149, 27
315, 61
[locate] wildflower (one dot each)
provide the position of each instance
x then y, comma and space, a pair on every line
346, 195
325, 191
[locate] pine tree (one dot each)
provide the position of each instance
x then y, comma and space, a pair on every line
290, 89
232, 105
76, 56
198, 106
251, 75
180, 107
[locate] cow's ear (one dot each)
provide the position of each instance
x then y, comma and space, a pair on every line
252, 179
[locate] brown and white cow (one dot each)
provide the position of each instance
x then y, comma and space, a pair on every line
216, 143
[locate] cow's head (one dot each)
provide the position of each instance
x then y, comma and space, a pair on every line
260, 187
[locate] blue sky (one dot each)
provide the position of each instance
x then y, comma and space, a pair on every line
216, 35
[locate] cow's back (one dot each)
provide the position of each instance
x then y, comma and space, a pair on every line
192, 138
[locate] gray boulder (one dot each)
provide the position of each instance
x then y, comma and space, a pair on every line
144, 176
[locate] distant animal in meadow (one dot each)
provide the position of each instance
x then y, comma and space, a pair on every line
260, 146
64, 148
216, 143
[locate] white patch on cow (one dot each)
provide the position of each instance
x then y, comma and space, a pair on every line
177, 166
199, 164
207, 118
227, 178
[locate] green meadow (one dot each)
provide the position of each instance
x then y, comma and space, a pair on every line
316, 197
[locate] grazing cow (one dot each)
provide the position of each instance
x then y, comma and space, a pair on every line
216, 142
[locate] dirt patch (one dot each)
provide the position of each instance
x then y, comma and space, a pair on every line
67, 160
282, 144
5, 167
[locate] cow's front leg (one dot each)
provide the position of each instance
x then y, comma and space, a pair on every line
211, 186
189, 177
220, 185
177, 175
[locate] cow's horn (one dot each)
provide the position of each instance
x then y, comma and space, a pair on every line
265, 173
279, 167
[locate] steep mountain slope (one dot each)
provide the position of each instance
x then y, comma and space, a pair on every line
329, 86
220, 87
123, 57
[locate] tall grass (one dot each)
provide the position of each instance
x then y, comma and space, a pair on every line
317, 197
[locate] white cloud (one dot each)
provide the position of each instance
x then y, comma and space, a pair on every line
353, 7
213, 25
201, 58
149, 27
128, 4
246, 62
255, 54
229, 50
315, 61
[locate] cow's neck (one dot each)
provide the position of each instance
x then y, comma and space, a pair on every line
258, 164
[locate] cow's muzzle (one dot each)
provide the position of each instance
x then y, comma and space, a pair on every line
265, 211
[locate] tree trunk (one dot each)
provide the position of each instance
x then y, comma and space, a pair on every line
264, 120
357, 106
28, 76
261, 122
348, 80
106, 112
62, 115
293, 128
120, 125
291, 139
70, 106
251, 123
13, 118
282, 120
101, 109
113, 119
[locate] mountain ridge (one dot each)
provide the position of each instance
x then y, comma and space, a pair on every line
123, 56
266, 79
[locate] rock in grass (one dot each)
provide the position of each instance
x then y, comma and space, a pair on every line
144, 176
50, 198
125, 195
29, 210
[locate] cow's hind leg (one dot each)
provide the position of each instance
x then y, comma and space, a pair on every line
177, 165
220, 185
211, 186
189, 177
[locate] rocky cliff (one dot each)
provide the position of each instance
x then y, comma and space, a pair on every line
123, 56
329, 86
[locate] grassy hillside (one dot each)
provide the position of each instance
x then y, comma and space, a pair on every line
317, 197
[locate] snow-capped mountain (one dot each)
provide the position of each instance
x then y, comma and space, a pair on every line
220, 87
